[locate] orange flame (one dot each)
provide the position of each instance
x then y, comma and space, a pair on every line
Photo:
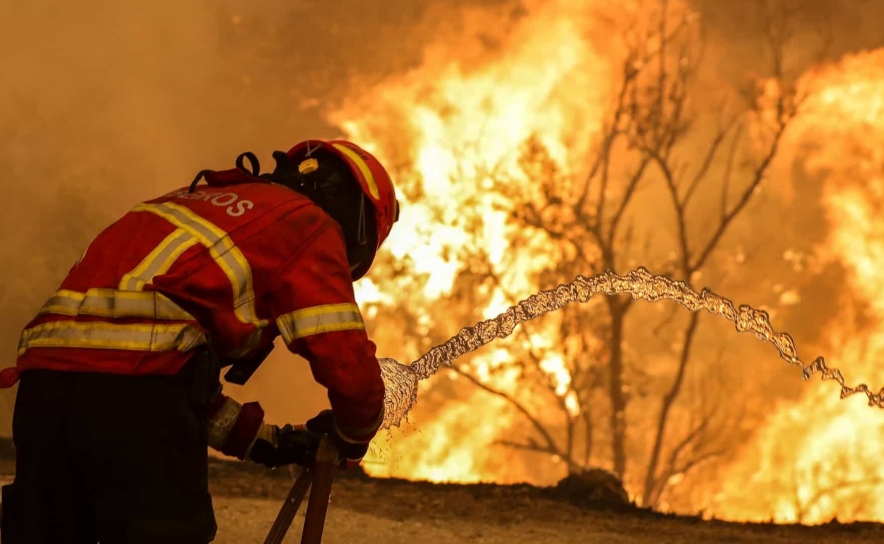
460, 128
463, 123
452, 128
820, 458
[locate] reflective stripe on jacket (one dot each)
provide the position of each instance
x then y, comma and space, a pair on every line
234, 264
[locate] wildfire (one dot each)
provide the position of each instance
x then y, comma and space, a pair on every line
456, 446
459, 127
458, 122
821, 457
452, 130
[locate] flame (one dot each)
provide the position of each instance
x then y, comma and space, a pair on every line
452, 447
820, 458
467, 122
459, 122
458, 445
451, 130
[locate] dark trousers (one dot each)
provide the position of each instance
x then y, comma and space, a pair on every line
109, 459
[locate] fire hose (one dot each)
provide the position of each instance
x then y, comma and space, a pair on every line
318, 479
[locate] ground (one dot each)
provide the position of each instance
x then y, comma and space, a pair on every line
368, 510
373, 511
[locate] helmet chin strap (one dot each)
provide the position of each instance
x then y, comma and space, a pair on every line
361, 233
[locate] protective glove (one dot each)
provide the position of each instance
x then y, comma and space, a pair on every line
275, 447
351, 453
239, 430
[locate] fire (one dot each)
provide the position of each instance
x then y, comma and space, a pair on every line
451, 131
461, 122
820, 458
456, 445
458, 122
453, 447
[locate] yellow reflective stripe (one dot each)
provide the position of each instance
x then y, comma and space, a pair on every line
223, 251
115, 304
363, 167
158, 261
319, 319
99, 335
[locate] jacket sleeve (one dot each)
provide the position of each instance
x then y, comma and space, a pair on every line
315, 309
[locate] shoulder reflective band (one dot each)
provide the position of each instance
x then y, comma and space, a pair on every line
158, 261
99, 335
363, 167
319, 319
223, 251
114, 304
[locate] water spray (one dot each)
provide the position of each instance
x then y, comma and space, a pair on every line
401, 381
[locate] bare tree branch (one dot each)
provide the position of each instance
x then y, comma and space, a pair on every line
538, 426
648, 124
729, 167
697, 460
588, 435
533, 219
631, 185
689, 438
709, 158
744, 199
666, 406
802, 507
666, 320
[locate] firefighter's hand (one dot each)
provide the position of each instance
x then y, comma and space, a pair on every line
286, 445
351, 453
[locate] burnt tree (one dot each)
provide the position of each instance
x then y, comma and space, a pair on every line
648, 142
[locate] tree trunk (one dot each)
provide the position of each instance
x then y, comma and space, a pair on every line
615, 390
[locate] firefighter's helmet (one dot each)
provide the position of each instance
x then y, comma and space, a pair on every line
373, 180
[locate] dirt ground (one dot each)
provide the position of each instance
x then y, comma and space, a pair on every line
370, 511
377, 511
242, 520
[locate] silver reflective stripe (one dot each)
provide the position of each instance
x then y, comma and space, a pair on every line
223, 251
115, 304
361, 432
158, 261
220, 425
99, 335
319, 319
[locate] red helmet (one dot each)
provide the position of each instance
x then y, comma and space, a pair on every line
368, 172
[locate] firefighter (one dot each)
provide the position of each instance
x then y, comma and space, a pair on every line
120, 392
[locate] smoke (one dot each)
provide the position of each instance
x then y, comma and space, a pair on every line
825, 29
104, 104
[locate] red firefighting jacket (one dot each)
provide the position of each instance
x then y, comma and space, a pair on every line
234, 264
